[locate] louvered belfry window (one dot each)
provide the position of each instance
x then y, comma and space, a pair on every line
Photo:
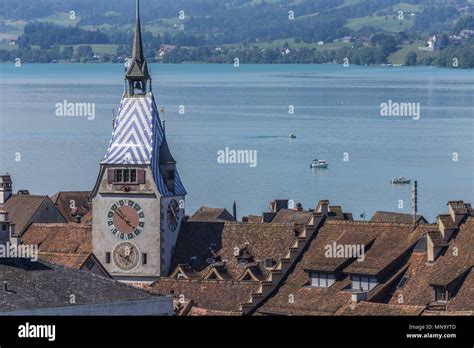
125, 176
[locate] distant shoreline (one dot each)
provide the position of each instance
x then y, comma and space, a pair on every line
205, 63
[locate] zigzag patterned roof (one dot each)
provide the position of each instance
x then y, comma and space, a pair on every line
137, 138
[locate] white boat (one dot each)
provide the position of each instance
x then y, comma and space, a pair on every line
318, 164
400, 180
291, 136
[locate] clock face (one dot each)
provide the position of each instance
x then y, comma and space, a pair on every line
172, 215
126, 256
126, 219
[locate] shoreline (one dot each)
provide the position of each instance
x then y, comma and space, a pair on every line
247, 64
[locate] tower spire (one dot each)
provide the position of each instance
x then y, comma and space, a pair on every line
137, 43
137, 72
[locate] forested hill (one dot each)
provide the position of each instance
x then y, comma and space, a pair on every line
270, 31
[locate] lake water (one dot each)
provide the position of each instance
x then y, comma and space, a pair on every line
336, 112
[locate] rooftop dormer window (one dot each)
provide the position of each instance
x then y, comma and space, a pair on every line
364, 283
441, 294
403, 282
322, 279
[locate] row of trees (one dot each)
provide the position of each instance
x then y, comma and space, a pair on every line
356, 55
462, 57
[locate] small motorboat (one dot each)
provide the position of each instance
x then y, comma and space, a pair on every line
400, 180
318, 164
291, 136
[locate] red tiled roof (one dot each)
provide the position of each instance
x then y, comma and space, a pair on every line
379, 309
459, 207
198, 311
458, 258
195, 243
206, 214
416, 290
75, 261
390, 242
454, 264
21, 209
254, 218
202, 243
464, 299
68, 245
401, 218
447, 221
216, 295
72, 203
292, 216
263, 241
437, 238
60, 238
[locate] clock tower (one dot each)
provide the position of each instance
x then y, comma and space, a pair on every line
138, 199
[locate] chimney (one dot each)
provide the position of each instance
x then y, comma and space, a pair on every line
314, 216
434, 245
4, 216
14, 240
278, 204
6, 186
444, 227
234, 210
358, 296
268, 217
457, 210
269, 262
323, 207
4, 227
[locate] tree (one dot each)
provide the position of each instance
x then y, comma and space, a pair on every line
85, 51
67, 53
411, 59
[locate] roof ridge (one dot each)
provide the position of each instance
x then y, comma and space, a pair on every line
194, 280
61, 253
30, 196
286, 224
59, 224
361, 222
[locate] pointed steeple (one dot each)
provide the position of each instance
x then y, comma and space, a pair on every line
137, 42
137, 72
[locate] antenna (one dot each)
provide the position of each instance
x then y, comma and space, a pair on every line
414, 202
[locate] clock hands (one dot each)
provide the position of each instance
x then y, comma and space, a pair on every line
124, 218
125, 254
173, 212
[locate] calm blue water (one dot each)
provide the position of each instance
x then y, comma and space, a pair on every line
337, 110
